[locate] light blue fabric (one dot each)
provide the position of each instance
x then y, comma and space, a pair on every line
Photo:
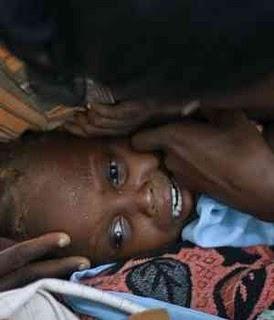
104, 312
219, 226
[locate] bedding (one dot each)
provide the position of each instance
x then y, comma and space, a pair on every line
231, 283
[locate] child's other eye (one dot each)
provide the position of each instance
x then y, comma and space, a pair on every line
120, 232
116, 173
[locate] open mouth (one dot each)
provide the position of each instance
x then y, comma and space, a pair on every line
176, 200
170, 202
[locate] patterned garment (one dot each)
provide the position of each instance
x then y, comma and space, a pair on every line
232, 283
20, 107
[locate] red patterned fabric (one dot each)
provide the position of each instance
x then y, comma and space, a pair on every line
230, 282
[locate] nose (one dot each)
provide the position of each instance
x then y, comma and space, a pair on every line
146, 201
140, 200
142, 169
137, 195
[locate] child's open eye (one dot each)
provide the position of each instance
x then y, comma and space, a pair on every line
116, 173
120, 232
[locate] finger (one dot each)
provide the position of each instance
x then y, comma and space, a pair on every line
101, 122
75, 129
92, 131
81, 119
77, 124
57, 268
22, 253
97, 120
96, 131
190, 108
152, 139
123, 110
92, 125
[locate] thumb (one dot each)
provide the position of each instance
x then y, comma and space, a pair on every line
151, 139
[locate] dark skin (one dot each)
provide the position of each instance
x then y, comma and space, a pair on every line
194, 170
236, 141
192, 138
227, 158
133, 111
24, 262
257, 100
89, 189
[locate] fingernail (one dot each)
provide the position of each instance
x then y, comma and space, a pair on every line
190, 107
64, 240
84, 265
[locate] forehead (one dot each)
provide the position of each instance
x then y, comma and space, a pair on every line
58, 167
55, 148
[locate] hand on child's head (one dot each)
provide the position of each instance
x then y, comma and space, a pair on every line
25, 262
110, 120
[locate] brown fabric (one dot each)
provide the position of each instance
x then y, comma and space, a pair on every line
20, 108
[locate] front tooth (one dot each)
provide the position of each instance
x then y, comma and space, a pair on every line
173, 194
177, 207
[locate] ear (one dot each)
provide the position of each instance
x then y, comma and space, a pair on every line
12, 218
9, 174
7, 177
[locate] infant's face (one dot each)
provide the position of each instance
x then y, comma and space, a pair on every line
112, 201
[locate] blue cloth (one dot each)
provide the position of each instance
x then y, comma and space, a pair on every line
104, 312
219, 226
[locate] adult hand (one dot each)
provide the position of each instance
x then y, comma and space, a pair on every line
20, 263
226, 158
107, 120
126, 117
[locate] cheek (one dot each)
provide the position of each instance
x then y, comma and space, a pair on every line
147, 236
55, 208
70, 222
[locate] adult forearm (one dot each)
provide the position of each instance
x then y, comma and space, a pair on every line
253, 191
257, 99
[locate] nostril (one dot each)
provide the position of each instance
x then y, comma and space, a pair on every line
150, 200
151, 204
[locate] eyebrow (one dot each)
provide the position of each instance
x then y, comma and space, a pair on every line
86, 172
96, 169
